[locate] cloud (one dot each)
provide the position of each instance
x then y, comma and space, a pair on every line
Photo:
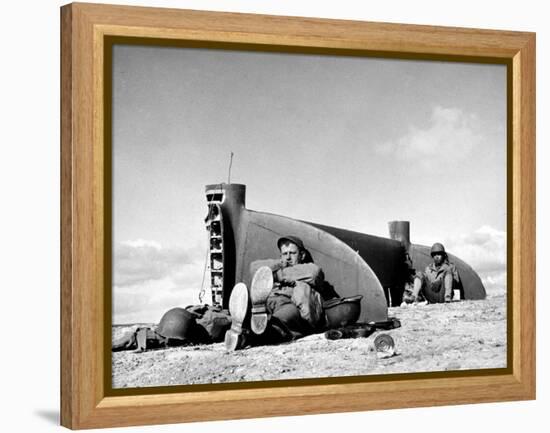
147, 302
149, 279
450, 136
140, 261
485, 251
494, 282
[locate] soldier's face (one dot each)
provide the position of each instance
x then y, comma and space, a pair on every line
438, 259
290, 254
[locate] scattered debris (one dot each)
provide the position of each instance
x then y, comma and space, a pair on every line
384, 345
431, 338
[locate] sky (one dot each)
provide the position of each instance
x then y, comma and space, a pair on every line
342, 141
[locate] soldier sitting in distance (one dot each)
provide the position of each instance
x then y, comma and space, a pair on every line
436, 284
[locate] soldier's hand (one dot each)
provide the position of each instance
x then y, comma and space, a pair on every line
287, 283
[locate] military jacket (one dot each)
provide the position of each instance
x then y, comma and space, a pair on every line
308, 273
435, 273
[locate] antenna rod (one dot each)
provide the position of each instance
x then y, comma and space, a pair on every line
230, 164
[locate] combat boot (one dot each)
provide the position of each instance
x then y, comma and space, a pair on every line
261, 286
238, 306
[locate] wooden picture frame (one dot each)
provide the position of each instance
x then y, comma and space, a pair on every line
85, 29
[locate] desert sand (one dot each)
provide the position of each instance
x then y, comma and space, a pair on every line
463, 335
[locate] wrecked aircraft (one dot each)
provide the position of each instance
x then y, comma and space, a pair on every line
354, 263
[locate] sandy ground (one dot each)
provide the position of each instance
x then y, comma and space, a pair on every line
458, 336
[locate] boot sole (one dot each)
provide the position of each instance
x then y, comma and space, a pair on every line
238, 305
261, 286
233, 340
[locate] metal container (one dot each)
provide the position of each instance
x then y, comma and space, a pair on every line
340, 312
384, 345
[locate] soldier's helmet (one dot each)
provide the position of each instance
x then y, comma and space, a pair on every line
437, 248
177, 323
294, 239
340, 312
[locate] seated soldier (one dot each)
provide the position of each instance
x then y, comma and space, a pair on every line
285, 298
436, 284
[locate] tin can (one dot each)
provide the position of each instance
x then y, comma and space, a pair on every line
384, 345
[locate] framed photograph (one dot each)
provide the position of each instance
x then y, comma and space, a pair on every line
312, 215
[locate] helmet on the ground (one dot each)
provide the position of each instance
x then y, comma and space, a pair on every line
340, 312
437, 248
177, 323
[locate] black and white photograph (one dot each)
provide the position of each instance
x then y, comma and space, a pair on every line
285, 216
159, 186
